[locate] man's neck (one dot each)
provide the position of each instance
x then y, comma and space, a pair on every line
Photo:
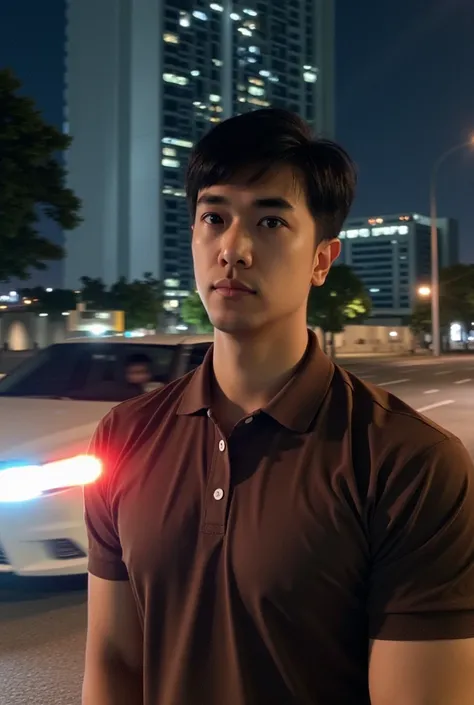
250, 371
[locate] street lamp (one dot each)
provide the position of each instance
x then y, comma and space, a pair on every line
435, 322
424, 291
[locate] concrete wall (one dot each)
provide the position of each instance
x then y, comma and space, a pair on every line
367, 339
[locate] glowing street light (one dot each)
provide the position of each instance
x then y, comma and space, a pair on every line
424, 291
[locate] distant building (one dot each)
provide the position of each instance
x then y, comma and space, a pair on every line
145, 80
392, 256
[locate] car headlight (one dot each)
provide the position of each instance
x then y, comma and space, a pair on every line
22, 482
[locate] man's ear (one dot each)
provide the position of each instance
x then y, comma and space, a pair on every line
326, 254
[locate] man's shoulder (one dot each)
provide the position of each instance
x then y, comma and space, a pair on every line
390, 422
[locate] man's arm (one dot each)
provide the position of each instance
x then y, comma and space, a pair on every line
421, 599
114, 651
114, 669
422, 672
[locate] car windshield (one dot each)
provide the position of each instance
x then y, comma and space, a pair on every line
93, 371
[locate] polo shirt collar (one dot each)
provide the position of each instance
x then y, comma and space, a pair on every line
294, 407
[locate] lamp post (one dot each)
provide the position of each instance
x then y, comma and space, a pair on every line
435, 319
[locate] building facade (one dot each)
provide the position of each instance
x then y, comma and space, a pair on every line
145, 80
392, 256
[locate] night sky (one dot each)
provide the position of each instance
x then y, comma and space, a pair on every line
405, 93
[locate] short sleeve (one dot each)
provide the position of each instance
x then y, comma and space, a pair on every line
422, 545
105, 551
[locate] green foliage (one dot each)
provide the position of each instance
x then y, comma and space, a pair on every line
52, 302
194, 314
456, 300
32, 183
341, 300
140, 299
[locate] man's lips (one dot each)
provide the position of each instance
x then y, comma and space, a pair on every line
232, 287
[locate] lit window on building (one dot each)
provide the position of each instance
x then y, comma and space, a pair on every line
256, 90
171, 163
255, 81
184, 19
216, 7
265, 73
310, 77
214, 98
172, 191
177, 142
254, 50
199, 15
259, 102
195, 72
170, 38
173, 78
169, 152
234, 16
217, 62
246, 32
251, 13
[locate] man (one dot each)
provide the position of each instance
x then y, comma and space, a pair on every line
138, 371
270, 530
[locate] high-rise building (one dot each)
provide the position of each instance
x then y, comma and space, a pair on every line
145, 80
392, 256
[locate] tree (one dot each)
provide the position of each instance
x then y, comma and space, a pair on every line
141, 300
32, 183
456, 301
194, 314
53, 302
341, 300
95, 295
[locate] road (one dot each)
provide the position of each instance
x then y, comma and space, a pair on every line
42, 625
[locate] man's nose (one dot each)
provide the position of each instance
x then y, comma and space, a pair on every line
236, 248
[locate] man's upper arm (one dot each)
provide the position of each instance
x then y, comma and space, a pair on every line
105, 551
422, 672
421, 599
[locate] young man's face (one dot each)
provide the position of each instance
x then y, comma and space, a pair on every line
260, 236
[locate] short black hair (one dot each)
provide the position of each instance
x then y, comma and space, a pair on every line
138, 359
267, 137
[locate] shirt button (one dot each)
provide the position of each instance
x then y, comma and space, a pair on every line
218, 494
249, 419
222, 446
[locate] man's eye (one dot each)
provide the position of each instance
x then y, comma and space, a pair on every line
272, 223
212, 219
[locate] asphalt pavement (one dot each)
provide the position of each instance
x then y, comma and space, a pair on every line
42, 624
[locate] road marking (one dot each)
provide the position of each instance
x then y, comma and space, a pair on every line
435, 406
431, 391
393, 381
463, 381
446, 372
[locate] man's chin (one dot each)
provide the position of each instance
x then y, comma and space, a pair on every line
234, 324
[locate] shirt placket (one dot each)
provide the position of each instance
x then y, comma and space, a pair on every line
218, 487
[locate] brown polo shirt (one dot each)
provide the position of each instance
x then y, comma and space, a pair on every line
262, 563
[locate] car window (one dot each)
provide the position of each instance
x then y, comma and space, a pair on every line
94, 371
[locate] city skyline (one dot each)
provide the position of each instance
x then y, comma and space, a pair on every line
159, 77
388, 116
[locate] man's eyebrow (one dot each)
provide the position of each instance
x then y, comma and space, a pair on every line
275, 202
212, 200
270, 202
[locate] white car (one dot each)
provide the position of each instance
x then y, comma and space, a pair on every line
49, 408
